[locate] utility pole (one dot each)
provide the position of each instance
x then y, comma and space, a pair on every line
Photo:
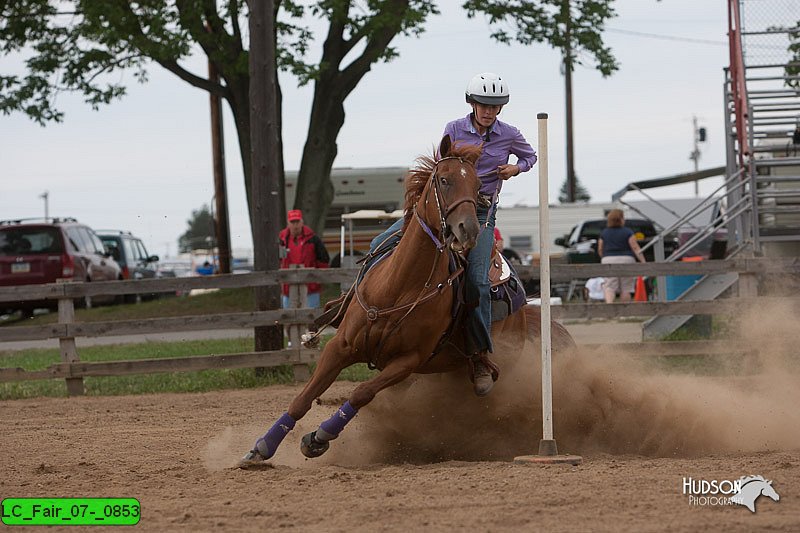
45, 195
571, 182
699, 136
266, 160
221, 229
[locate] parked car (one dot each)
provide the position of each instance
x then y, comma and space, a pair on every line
581, 242
131, 254
33, 253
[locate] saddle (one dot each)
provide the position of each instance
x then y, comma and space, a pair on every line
507, 292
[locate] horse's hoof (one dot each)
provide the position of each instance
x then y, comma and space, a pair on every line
311, 447
250, 458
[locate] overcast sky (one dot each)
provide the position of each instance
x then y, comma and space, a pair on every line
143, 163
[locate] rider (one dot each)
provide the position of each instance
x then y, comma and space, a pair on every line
486, 94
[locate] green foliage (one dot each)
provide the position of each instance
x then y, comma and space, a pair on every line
76, 46
83, 46
581, 193
546, 21
793, 66
200, 232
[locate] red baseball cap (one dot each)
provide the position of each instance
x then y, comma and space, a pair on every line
294, 214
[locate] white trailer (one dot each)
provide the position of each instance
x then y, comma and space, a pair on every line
519, 225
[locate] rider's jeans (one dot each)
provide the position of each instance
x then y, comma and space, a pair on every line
397, 226
479, 319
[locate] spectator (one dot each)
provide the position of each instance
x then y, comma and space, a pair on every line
498, 240
302, 247
206, 269
618, 246
593, 290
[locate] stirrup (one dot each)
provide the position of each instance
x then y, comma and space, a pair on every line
333, 314
483, 358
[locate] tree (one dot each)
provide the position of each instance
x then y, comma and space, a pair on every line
574, 27
792, 68
578, 29
76, 46
200, 233
80, 46
581, 193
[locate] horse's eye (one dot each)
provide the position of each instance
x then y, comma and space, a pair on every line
443, 181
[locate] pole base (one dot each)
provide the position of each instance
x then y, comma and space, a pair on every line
548, 447
548, 454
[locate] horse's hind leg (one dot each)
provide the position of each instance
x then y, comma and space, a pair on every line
328, 367
317, 442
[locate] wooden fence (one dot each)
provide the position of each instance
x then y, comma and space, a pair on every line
73, 370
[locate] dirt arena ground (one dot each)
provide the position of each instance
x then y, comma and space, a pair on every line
436, 468
427, 455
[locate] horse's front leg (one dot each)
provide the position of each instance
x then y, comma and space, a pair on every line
317, 442
334, 358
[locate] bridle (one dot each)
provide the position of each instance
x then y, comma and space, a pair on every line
442, 209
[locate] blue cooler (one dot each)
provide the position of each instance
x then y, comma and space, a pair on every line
677, 285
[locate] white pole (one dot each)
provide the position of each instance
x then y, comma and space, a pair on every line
45, 195
341, 246
544, 280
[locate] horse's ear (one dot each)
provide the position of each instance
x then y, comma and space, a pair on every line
444, 146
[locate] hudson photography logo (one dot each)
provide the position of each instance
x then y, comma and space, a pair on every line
743, 491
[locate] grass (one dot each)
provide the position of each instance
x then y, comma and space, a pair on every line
223, 301
200, 381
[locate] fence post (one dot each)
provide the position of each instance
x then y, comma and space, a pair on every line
748, 283
69, 352
298, 297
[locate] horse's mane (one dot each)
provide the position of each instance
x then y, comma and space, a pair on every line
745, 480
419, 175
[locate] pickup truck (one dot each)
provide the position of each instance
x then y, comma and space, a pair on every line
581, 242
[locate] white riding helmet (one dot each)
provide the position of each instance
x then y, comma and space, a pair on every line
487, 88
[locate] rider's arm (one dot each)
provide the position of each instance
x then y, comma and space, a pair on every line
526, 155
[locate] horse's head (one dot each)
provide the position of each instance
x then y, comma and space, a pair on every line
444, 192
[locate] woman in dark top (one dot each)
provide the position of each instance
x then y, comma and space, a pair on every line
617, 245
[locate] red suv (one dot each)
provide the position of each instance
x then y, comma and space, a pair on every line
33, 253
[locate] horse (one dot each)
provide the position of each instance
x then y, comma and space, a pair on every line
751, 488
402, 306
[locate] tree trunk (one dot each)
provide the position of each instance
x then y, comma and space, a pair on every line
239, 103
314, 187
240, 109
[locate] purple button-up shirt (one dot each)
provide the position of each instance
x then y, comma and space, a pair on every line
504, 140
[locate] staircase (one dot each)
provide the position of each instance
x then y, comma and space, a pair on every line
762, 187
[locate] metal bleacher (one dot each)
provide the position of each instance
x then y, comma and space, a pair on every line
760, 207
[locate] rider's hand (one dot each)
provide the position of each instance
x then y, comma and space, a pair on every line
507, 171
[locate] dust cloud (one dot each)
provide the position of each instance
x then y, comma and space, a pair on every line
603, 402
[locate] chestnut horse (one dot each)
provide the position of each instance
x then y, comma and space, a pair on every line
402, 306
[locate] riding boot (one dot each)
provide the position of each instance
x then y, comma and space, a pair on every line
483, 373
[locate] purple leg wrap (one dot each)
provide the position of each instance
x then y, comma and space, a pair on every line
335, 424
268, 444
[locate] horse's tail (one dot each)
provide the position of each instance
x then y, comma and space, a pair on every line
560, 338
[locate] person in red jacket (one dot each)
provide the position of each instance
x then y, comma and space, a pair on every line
301, 246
